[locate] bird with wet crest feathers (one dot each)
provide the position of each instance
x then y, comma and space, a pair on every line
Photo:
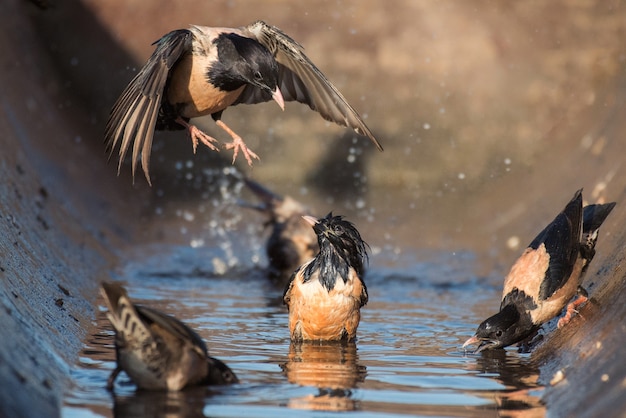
341, 248
325, 295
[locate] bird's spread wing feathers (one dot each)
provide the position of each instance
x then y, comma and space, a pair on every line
300, 80
134, 115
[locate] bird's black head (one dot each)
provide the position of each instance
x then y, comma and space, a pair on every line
507, 327
337, 234
341, 248
243, 60
219, 373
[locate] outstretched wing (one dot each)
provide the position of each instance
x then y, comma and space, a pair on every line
134, 115
302, 81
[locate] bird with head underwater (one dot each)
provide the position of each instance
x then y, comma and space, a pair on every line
545, 277
157, 351
324, 296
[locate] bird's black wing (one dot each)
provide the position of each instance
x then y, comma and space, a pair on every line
287, 291
562, 242
302, 81
134, 115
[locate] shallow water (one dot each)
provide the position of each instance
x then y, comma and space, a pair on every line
407, 360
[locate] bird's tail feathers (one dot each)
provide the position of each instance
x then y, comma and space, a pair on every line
593, 217
122, 313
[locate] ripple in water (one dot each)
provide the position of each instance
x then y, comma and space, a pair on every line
407, 360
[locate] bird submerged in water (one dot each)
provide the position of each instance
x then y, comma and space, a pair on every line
203, 70
292, 241
325, 295
545, 277
157, 351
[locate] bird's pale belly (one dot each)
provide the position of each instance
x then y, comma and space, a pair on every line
315, 314
191, 92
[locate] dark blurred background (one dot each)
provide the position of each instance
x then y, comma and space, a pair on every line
461, 94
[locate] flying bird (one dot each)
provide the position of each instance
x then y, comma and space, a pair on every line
157, 351
325, 295
292, 241
545, 277
203, 70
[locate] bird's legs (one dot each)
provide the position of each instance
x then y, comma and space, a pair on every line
112, 377
571, 308
237, 144
197, 135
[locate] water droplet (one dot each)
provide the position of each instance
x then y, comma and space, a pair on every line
196, 243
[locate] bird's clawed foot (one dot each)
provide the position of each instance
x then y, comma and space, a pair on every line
197, 135
238, 145
571, 309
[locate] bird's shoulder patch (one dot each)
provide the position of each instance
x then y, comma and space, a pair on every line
194, 92
528, 272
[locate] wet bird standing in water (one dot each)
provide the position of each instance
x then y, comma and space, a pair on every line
545, 277
325, 295
157, 351
292, 241
203, 70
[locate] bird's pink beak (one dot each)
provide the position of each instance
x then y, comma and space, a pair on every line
312, 220
278, 98
473, 340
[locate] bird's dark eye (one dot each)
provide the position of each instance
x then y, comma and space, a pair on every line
258, 76
499, 333
338, 230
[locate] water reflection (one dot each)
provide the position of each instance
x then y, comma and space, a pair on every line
331, 367
522, 393
188, 403
405, 340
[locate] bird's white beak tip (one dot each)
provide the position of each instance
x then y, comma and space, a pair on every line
278, 98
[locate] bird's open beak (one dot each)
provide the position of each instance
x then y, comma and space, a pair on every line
312, 220
482, 344
473, 340
278, 98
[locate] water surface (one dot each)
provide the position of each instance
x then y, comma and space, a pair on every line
407, 360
